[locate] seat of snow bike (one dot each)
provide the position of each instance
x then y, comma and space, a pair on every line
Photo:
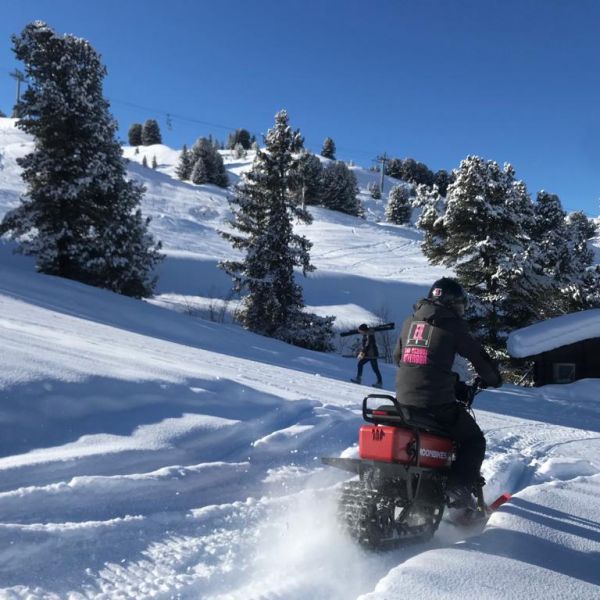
412, 417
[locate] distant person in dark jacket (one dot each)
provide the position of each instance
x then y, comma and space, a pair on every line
368, 353
430, 340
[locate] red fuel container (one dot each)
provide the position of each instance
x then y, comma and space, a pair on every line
396, 444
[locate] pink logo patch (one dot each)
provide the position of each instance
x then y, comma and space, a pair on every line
418, 331
415, 356
437, 292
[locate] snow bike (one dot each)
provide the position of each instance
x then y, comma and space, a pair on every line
405, 458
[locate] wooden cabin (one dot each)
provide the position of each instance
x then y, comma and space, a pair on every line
563, 349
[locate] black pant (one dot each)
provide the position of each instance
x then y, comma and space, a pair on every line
362, 362
470, 443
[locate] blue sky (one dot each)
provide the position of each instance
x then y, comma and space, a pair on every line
515, 81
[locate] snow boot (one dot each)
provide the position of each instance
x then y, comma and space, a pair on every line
378, 384
461, 496
355, 380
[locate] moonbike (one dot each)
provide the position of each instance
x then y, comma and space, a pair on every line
400, 493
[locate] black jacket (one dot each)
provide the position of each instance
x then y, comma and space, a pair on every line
369, 346
425, 352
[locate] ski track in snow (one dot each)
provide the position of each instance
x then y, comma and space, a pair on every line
148, 454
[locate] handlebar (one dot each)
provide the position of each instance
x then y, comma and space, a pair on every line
465, 394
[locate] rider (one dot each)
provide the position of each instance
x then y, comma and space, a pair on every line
425, 352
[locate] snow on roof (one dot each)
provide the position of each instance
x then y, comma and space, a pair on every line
554, 333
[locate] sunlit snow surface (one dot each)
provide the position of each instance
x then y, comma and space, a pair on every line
147, 453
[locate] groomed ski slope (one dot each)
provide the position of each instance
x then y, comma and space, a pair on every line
147, 453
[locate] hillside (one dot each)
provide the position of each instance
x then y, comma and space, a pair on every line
149, 453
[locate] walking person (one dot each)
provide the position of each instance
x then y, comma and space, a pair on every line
368, 353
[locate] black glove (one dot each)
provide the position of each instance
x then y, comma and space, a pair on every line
479, 383
462, 391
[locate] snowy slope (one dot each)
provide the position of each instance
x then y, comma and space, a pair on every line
146, 453
363, 266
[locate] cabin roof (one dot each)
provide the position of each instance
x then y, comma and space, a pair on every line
554, 333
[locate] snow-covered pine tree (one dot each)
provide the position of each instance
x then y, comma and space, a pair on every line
411, 171
310, 170
442, 179
263, 208
431, 220
144, 161
328, 150
184, 167
583, 291
550, 232
214, 169
134, 134
393, 168
339, 189
374, 190
200, 171
151, 133
481, 230
238, 151
219, 176
80, 217
581, 231
399, 206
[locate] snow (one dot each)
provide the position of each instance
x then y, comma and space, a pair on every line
149, 451
554, 333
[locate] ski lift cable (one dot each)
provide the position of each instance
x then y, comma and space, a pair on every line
180, 117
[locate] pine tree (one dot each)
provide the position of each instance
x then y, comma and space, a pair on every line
374, 190
339, 189
2, 115
328, 150
238, 151
550, 232
184, 167
264, 206
213, 168
412, 171
200, 172
80, 217
310, 171
442, 179
239, 136
399, 208
393, 168
144, 161
154, 163
565, 258
583, 291
432, 207
135, 134
219, 176
151, 133
481, 230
